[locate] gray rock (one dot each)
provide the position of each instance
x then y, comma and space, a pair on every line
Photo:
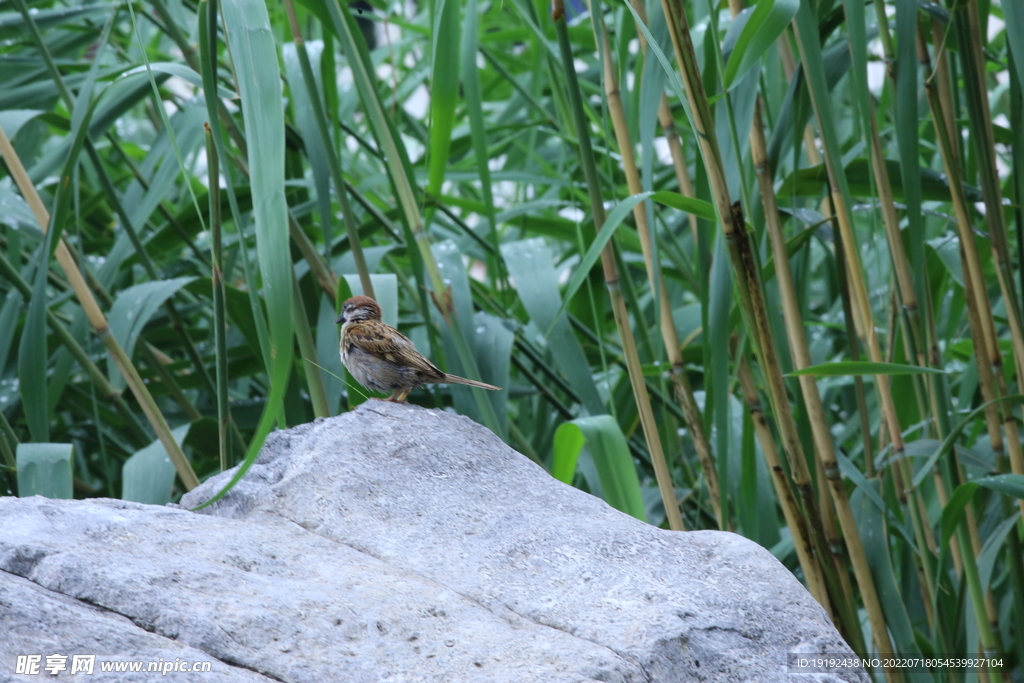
38, 621
395, 543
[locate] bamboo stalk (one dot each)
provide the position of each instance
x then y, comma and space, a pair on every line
982, 329
656, 279
989, 356
747, 272
98, 320
668, 127
967, 25
611, 278
790, 508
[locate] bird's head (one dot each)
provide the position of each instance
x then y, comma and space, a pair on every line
357, 309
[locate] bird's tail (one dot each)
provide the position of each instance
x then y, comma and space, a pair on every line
455, 379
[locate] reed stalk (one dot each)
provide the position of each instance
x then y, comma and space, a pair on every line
655, 277
987, 351
307, 347
99, 380
611, 277
790, 508
967, 26
668, 127
801, 356
748, 278
363, 79
98, 320
968, 30
905, 291
321, 271
979, 315
220, 322
333, 163
8, 443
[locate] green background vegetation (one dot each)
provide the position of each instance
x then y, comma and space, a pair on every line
829, 185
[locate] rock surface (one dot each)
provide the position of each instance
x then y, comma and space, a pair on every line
396, 543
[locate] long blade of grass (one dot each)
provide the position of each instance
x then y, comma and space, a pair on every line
255, 59
444, 87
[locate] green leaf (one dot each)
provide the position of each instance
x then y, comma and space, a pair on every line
327, 356
813, 181
181, 71
131, 311
9, 312
306, 118
444, 87
954, 508
990, 551
15, 212
32, 356
763, 27
607, 445
874, 536
1013, 14
492, 345
617, 215
719, 297
12, 24
1010, 484
12, 120
474, 110
531, 265
565, 451
863, 367
148, 476
698, 207
458, 339
254, 54
947, 248
954, 434
44, 469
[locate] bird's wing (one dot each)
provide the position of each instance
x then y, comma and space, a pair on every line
382, 340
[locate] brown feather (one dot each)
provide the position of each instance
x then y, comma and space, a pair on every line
380, 339
382, 358
455, 379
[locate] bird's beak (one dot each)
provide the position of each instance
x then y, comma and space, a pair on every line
340, 320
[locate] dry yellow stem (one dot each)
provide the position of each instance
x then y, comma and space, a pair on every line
97, 319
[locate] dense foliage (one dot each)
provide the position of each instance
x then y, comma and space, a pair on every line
826, 185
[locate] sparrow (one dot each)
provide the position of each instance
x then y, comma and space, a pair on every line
383, 359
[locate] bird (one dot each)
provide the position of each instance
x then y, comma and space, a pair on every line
383, 359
